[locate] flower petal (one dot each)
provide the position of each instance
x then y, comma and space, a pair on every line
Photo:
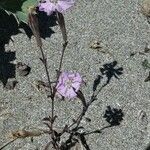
63, 5
70, 93
77, 78
62, 90
62, 78
47, 7
76, 85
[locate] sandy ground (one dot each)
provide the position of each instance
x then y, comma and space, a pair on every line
122, 30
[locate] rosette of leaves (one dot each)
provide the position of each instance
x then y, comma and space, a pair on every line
18, 7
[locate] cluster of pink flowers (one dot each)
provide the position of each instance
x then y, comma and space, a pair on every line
49, 6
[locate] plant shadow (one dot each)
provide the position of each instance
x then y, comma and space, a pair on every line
7, 69
108, 71
8, 27
45, 24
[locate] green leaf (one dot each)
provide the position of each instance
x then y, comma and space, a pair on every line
19, 7
27, 4
23, 14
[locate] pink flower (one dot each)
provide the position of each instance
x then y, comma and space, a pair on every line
68, 84
49, 6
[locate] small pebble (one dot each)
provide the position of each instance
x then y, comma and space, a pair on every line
10, 85
146, 8
23, 69
143, 121
95, 45
147, 48
87, 119
147, 78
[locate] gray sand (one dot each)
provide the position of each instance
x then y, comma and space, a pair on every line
122, 29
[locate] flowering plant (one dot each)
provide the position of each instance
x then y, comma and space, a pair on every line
67, 84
